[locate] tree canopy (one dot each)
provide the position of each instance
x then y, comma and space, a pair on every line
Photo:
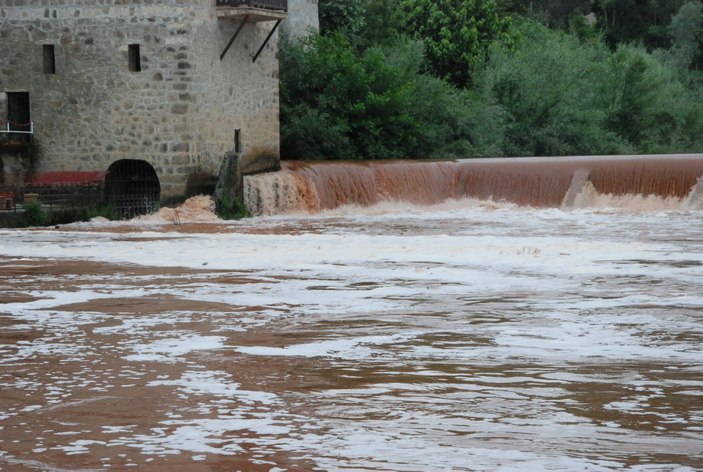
457, 34
462, 78
339, 103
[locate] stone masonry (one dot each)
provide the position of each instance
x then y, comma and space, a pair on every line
179, 112
303, 17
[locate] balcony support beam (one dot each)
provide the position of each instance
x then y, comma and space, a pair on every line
234, 36
268, 38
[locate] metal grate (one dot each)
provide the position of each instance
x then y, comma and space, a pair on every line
132, 188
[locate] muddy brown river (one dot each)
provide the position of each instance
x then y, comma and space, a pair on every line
464, 336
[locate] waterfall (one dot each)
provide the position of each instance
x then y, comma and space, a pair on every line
655, 182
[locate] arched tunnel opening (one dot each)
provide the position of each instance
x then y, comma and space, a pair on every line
132, 188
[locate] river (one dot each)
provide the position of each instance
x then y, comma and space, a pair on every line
467, 335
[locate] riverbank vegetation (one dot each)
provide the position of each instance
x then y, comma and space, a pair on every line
463, 78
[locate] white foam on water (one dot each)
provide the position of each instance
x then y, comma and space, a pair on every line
215, 384
167, 350
197, 209
694, 201
590, 198
210, 436
400, 209
455, 336
319, 254
359, 348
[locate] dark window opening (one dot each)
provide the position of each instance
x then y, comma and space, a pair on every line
135, 60
49, 59
18, 111
238, 141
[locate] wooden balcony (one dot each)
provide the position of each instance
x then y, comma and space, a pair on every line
252, 11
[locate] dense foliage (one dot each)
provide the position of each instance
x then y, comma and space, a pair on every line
34, 214
562, 96
456, 34
338, 103
461, 78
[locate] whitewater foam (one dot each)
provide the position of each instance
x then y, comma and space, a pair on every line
197, 209
636, 183
398, 337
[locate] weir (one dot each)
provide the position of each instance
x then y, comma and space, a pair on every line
559, 182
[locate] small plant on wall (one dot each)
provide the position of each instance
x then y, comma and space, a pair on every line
231, 209
28, 153
32, 156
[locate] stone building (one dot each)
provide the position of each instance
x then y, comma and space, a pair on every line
150, 94
303, 17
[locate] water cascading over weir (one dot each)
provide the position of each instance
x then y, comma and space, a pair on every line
560, 182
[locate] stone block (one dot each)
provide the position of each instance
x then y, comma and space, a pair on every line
258, 163
180, 160
179, 109
179, 147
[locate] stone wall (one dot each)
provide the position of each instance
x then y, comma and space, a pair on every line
3, 106
179, 113
13, 168
303, 16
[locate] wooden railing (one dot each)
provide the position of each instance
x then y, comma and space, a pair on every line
281, 5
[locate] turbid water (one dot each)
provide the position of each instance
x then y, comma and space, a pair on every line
468, 335
537, 182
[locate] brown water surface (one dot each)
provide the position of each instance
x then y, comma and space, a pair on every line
469, 339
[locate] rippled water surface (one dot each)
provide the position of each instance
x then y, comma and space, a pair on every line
474, 337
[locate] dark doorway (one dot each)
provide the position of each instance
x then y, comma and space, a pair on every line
132, 188
18, 111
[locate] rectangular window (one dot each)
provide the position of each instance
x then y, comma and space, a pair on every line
135, 60
238, 141
18, 111
49, 59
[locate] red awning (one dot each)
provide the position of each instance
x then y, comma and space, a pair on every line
67, 178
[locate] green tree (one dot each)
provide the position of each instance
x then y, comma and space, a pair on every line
648, 105
556, 13
686, 30
341, 16
457, 34
637, 21
313, 126
339, 103
383, 22
548, 87
517, 7
472, 84
563, 96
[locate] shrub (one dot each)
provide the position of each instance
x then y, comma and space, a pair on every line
563, 96
231, 209
337, 103
34, 214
